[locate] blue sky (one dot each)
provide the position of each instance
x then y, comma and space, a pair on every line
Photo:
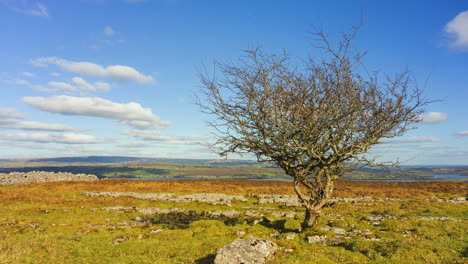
115, 77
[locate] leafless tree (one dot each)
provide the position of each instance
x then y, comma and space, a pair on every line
316, 121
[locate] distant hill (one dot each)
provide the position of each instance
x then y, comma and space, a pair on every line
89, 159
126, 160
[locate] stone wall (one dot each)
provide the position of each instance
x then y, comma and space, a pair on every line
42, 176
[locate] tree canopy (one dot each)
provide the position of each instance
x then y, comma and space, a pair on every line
316, 121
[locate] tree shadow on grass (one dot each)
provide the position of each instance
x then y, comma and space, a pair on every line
175, 220
278, 225
206, 260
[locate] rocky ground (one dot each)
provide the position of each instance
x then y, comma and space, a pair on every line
133, 221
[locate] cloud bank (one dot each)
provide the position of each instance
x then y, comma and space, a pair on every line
9, 120
108, 31
80, 84
116, 72
458, 29
132, 113
11, 113
433, 117
64, 138
26, 7
414, 140
158, 137
33, 125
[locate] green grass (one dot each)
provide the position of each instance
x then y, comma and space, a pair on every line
48, 224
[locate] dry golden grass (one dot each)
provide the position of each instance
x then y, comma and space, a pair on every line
57, 190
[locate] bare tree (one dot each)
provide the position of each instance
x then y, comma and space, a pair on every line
317, 122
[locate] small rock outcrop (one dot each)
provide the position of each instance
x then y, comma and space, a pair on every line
252, 250
317, 239
42, 176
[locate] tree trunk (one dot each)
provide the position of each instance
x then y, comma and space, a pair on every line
311, 218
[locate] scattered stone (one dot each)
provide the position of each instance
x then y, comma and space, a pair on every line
246, 251
253, 213
42, 176
290, 236
34, 226
437, 218
373, 239
293, 200
317, 239
217, 213
156, 231
458, 200
239, 233
121, 239
336, 230
210, 198
274, 234
289, 214
375, 218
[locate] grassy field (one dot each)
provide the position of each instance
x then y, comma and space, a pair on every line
56, 223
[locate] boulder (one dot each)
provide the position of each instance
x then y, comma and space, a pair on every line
253, 250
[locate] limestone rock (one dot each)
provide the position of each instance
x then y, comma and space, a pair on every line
42, 176
253, 250
317, 239
336, 230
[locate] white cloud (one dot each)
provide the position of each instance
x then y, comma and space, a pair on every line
64, 138
129, 113
55, 74
433, 117
117, 72
102, 86
29, 85
463, 133
26, 7
135, 144
158, 137
415, 140
140, 124
9, 120
27, 74
80, 84
11, 113
458, 28
33, 125
108, 31
61, 86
